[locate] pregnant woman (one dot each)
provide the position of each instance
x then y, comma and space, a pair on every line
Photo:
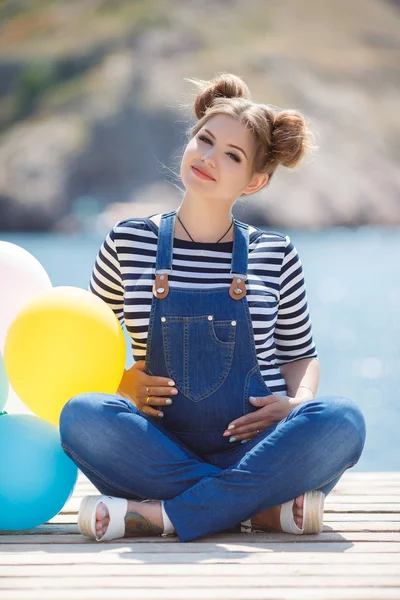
217, 425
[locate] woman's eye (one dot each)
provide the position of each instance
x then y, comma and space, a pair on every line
203, 138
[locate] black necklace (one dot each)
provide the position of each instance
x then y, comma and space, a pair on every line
230, 226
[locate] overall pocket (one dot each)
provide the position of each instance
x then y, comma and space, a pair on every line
198, 353
254, 386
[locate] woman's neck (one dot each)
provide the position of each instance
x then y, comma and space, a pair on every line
202, 225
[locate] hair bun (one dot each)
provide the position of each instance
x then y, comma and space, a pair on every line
290, 138
225, 85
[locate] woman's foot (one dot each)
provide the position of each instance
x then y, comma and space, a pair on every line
140, 519
270, 519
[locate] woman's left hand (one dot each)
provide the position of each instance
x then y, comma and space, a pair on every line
271, 410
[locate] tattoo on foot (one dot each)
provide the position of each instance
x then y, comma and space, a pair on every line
137, 525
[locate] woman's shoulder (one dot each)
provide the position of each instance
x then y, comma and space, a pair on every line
132, 226
263, 236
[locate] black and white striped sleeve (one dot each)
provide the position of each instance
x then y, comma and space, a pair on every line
106, 280
293, 332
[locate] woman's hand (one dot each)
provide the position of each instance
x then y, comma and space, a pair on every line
272, 409
136, 386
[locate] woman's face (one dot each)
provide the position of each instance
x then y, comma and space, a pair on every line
212, 150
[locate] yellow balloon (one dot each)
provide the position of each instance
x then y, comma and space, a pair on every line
64, 342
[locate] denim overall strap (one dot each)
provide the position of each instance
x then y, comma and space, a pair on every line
165, 254
166, 243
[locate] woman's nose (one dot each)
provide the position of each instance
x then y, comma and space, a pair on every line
208, 158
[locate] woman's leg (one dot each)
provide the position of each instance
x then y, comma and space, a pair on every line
307, 450
125, 453
120, 449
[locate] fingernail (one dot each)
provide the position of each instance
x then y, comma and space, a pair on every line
253, 399
160, 415
168, 401
232, 439
231, 427
244, 441
104, 512
171, 382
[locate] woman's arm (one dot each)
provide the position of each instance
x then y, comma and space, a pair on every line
296, 353
302, 378
106, 279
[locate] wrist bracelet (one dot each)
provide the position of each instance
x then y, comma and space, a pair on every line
301, 386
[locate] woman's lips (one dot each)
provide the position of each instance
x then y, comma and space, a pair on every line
201, 175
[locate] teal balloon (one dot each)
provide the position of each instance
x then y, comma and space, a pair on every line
36, 476
4, 386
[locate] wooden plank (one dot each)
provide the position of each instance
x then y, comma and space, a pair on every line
352, 526
333, 517
362, 507
46, 529
198, 570
262, 593
357, 499
285, 555
189, 582
259, 545
245, 538
365, 491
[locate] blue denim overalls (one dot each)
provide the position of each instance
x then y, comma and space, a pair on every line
203, 340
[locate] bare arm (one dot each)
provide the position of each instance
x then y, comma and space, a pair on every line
302, 378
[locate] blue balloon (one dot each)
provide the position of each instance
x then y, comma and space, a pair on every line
36, 476
4, 386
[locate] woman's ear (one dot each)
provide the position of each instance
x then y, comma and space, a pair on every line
258, 181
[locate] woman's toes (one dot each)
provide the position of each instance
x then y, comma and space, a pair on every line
298, 511
102, 519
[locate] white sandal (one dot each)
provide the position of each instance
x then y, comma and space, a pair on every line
313, 513
117, 508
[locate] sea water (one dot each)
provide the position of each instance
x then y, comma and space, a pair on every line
353, 289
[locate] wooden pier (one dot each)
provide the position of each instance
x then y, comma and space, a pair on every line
357, 556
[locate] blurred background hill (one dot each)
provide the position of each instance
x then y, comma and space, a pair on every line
93, 115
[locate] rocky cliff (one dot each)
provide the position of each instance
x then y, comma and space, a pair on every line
93, 106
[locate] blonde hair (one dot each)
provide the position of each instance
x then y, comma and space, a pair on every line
281, 136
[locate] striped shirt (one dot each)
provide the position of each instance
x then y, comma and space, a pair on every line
124, 273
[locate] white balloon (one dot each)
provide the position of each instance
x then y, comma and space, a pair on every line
22, 277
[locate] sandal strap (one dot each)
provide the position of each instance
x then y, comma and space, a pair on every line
288, 523
117, 508
313, 512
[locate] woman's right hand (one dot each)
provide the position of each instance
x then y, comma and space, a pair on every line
136, 386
